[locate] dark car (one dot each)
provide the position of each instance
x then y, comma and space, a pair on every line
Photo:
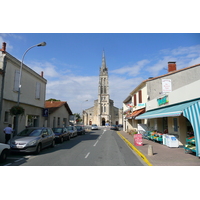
120, 125
61, 134
32, 139
80, 130
114, 127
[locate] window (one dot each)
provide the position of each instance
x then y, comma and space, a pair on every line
58, 121
140, 96
37, 90
16, 81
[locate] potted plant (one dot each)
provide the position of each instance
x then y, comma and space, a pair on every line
17, 110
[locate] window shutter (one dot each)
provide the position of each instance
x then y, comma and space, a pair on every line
140, 96
16, 81
37, 93
135, 100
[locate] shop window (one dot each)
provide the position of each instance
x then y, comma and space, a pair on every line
175, 125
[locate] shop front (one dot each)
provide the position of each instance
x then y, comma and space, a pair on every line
177, 122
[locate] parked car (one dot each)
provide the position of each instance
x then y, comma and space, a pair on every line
61, 134
94, 127
4, 151
120, 125
80, 130
114, 127
32, 139
72, 130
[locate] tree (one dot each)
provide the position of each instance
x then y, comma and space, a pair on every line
52, 100
77, 117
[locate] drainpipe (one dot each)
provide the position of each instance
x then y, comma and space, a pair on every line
2, 83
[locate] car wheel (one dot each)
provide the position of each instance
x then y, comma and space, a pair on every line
53, 144
39, 148
61, 140
3, 155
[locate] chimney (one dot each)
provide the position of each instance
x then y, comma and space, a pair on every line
42, 74
171, 66
3, 47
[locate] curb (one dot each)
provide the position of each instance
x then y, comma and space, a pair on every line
135, 149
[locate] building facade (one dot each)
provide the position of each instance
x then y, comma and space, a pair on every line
103, 112
173, 107
32, 95
58, 114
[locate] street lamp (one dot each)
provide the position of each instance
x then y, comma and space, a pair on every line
20, 74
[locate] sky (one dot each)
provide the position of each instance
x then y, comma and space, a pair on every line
71, 61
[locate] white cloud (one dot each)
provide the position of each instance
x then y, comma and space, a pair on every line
131, 70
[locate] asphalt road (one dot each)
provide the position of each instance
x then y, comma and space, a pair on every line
97, 148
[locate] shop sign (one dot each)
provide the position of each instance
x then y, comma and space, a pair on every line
141, 104
166, 85
162, 101
137, 139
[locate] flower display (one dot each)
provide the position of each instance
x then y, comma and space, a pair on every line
17, 110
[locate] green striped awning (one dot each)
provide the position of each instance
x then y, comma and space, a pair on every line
167, 111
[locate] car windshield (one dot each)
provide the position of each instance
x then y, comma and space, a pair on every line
57, 130
70, 128
94, 125
79, 127
30, 132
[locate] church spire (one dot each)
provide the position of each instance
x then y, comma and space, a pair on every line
104, 69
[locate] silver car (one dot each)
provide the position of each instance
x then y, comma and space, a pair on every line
72, 130
32, 139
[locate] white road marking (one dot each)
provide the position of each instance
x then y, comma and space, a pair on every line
96, 143
87, 155
19, 160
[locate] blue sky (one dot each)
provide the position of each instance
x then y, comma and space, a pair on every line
71, 61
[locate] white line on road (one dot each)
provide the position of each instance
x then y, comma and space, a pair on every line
19, 160
87, 155
96, 143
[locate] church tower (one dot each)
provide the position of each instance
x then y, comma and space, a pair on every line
103, 94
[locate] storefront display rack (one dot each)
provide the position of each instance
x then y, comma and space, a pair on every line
155, 136
190, 145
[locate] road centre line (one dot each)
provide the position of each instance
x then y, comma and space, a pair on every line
87, 155
19, 160
96, 143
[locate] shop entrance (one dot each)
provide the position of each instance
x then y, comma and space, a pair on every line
103, 121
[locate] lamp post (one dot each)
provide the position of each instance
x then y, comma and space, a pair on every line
20, 74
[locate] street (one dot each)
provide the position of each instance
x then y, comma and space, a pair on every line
101, 147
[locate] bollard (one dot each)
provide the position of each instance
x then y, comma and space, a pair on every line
150, 150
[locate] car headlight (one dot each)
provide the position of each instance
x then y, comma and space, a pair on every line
32, 143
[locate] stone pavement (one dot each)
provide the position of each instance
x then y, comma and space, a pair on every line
163, 155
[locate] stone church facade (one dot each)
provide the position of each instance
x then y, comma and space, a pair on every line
103, 112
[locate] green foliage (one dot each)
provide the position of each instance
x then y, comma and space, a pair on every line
17, 110
52, 100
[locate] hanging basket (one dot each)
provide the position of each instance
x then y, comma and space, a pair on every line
17, 110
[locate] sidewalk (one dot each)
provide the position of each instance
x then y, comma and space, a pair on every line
163, 155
